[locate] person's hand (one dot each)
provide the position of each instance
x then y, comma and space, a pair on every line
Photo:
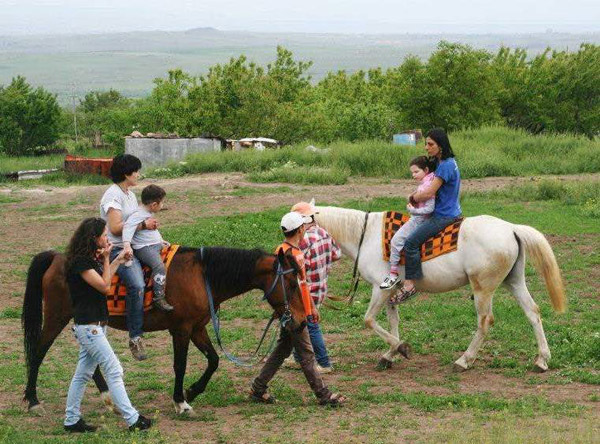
127, 251
166, 244
316, 316
151, 223
104, 253
409, 206
121, 257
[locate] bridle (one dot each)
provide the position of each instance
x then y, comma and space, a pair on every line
283, 320
286, 317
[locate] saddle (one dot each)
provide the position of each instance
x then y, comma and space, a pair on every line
444, 242
115, 299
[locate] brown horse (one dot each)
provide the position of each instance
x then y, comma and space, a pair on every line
229, 272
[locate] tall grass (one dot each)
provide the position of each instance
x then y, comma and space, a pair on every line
488, 151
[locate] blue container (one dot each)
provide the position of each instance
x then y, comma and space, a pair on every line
405, 139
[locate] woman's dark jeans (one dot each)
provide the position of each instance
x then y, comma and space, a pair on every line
412, 247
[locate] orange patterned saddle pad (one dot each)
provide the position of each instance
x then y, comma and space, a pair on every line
444, 242
116, 297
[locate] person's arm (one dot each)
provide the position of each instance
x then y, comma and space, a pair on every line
115, 221
425, 209
429, 192
336, 251
102, 283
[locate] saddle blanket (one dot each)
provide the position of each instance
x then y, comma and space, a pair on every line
444, 242
116, 297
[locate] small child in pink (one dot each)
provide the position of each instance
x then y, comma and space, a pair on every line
421, 169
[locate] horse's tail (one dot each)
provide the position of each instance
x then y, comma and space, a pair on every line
31, 318
542, 256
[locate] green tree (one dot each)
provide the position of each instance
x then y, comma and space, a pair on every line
28, 117
454, 89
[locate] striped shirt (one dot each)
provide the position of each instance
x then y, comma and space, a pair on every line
320, 251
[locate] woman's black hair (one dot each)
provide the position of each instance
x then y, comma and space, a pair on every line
440, 137
423, 162
83, 243
124, 165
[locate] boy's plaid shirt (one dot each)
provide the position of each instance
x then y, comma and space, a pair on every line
320, 250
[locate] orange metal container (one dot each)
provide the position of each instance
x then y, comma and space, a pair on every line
85, 165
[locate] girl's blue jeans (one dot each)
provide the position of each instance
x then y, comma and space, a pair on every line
94, 350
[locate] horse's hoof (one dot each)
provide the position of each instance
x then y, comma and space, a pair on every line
405, 350
107, 401
459, 368
384, 364
183, 408
540, 366
37, 410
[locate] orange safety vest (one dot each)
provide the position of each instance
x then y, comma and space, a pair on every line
299, 256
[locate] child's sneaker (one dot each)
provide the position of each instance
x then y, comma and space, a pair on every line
389, 282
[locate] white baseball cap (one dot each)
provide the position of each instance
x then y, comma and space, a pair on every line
293, 220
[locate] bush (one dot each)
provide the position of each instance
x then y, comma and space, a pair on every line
29, 118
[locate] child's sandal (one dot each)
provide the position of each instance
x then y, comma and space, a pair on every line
334, 400
262, 398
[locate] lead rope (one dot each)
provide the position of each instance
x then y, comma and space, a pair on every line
355, 275
216, 323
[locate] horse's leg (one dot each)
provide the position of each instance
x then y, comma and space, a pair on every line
181, 342
201, 340
485, 319
52, 327
518, 288
378, 299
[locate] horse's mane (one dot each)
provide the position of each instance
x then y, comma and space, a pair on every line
344, 224
228, 269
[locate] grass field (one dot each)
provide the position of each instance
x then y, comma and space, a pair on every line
420, 400
485, 152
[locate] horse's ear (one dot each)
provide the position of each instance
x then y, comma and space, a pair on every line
312, 202
280, 256
290, 256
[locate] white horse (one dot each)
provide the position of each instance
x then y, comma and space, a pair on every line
490, 252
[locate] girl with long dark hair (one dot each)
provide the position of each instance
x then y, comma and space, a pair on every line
89, 273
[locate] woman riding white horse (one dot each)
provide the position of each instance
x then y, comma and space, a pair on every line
490, 252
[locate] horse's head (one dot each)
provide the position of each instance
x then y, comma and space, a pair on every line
283, 292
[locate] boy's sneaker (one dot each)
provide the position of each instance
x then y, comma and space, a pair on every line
142, 423
80, 427
389, 282
137, 348
323, 370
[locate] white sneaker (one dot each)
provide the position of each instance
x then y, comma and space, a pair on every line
389, 282
323, 370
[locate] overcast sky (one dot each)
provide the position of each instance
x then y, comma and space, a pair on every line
340, 16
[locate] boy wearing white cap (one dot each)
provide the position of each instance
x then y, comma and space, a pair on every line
292, 225
320, 251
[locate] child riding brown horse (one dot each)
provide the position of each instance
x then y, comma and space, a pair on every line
230, 272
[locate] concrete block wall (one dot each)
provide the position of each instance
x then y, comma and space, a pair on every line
160, 152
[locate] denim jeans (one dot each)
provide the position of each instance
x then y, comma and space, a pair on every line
412, 246
133, 278
95, 350
318, 344
150, 256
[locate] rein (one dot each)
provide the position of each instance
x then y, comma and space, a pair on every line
355, 275
214, 315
